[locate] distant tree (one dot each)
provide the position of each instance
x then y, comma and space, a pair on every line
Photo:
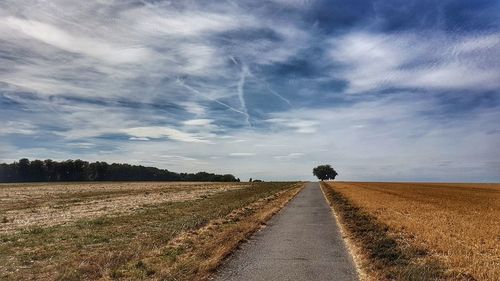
24, 169
325, 172
38, 171
51, 169
250, 180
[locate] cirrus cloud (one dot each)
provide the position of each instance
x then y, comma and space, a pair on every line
435, 61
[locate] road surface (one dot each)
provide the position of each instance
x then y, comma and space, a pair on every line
302, 242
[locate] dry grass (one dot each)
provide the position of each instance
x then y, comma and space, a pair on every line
181, 240
45, 204
447, 231
196, 254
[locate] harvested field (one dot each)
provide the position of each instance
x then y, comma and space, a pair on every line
441, 231
45, 204
181, 238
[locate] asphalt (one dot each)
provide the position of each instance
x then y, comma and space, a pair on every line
301, 242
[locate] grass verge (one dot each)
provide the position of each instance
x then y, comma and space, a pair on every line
170, 241
380, 255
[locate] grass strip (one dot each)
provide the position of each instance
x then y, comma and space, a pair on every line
383, 257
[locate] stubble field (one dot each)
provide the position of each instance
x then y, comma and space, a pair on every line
129, 230
406, 231
49, 204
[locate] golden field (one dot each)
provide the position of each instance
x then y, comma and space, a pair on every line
451, 231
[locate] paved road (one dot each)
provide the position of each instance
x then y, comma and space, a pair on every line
302, 242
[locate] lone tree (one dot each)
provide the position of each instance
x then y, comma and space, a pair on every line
325, 172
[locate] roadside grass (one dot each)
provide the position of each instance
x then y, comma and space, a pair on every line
382, 256
195, 254
169, 241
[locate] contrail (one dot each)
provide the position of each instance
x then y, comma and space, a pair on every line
276, 93
241, 93
180, 82
271, 90
245, 72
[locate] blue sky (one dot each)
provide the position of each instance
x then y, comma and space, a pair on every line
382, 90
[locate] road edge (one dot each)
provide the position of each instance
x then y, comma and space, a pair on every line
352, 249
265, 215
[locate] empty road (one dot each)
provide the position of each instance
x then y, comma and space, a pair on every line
302, 242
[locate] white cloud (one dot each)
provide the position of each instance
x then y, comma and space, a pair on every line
188, 24
193, 108
83, 145
237, 141
477, 43
16, 127
298, 125
427, 61
155, 132
140, 52
139, 138
59, 38
238, 154
290, 156
178, 157
198, 122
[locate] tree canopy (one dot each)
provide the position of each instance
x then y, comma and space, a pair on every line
79, 170
325, 172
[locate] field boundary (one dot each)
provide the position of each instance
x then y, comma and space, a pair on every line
377, 252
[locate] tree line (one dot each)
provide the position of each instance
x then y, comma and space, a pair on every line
79, 170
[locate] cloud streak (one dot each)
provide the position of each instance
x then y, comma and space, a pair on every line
63, 40
161, 132
374, 61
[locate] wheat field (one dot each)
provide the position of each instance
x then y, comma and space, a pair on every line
456, 223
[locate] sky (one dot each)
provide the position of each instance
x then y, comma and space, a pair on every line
383, 90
